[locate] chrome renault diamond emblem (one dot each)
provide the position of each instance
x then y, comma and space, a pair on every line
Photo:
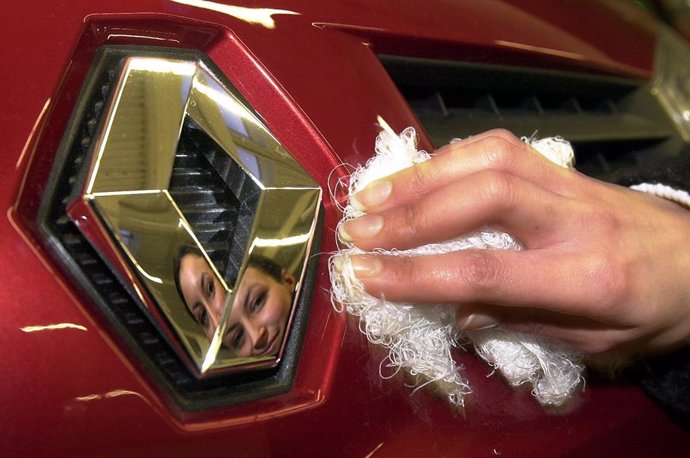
194, 203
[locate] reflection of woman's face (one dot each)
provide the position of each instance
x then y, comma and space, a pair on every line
259, 314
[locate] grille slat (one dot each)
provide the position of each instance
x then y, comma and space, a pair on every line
612, 122
215, 197
522, 100
192, 196
576, 129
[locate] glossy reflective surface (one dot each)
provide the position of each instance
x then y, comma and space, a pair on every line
319, 89
128, 186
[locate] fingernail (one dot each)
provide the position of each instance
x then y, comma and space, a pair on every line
366, 266
477, 321
338, 262
343, 235
372, 195
363, 227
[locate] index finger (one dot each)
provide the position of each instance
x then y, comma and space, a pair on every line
493, 150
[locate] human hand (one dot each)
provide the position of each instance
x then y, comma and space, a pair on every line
604, 268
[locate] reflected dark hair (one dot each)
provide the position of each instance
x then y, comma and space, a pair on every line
264, 264
183, 251
267, 266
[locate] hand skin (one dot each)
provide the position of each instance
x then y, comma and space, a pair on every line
605, 269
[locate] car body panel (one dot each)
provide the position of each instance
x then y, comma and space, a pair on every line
70, 386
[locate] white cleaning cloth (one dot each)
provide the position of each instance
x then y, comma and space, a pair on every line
419, 339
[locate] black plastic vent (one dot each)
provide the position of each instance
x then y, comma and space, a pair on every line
94, 274
216, 197
612, 122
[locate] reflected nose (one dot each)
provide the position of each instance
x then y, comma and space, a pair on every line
215, 309
258, 336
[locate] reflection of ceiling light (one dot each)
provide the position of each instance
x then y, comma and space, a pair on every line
540, 49
53, 327
163, 66
127, 193
147, 275
144, 37
225, 100
260, 16
89, 397
285, 241
108, 395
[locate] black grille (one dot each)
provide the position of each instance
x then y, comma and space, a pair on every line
216, 197
94, 275
613, 123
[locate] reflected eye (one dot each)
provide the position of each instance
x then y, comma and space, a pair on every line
238, 338
209, 288
258, 302
203, 317
200, 315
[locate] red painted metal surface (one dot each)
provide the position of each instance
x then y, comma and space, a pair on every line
71, 388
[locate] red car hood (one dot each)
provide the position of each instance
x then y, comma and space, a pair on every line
70, 386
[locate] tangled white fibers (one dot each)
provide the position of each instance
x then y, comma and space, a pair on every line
419, 339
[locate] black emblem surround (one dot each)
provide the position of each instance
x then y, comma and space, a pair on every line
113, 294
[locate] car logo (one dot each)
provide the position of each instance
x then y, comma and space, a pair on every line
200, 211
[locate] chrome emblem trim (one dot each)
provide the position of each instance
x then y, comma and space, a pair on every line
129, 209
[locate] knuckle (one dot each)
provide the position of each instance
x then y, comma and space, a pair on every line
505, 134
411, 221
608, 284
498, 189
608, 222
482, 271
421, 175
604, 222
501, 152
405, 270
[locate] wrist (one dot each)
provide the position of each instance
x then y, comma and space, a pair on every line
670, 193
